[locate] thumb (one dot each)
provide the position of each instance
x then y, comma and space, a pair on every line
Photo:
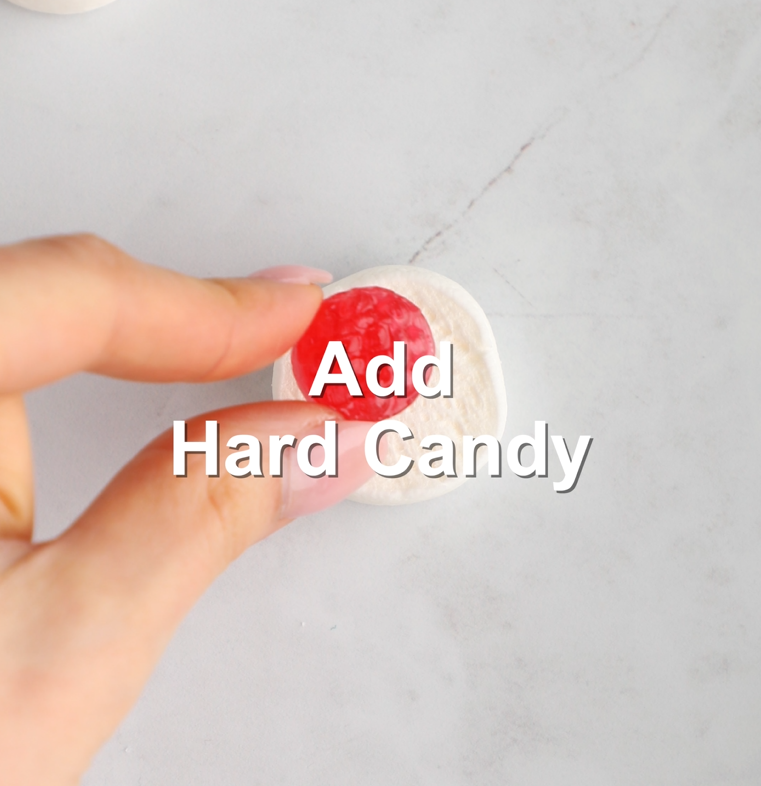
91, 612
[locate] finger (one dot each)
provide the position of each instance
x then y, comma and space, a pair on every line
90, 613
16, 483
78, 303
12, 550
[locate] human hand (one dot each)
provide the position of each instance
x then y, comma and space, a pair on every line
84, 618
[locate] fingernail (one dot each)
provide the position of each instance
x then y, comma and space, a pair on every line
294, 274
303, 495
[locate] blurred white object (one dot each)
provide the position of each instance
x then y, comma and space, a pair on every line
61, 6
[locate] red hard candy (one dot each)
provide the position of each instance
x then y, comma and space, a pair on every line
367, 320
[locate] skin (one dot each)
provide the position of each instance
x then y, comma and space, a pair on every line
84, 618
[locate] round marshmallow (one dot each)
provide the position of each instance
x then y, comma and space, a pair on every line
478, 404
61, 6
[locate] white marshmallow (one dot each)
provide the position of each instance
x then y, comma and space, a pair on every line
61, 6
479, 403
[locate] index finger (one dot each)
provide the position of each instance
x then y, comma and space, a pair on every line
78, 303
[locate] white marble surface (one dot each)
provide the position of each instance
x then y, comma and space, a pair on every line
591, 172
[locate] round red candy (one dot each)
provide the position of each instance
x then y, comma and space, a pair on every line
367, 320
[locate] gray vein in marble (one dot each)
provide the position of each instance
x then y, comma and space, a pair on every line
536, 137
650, 43
512, 286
